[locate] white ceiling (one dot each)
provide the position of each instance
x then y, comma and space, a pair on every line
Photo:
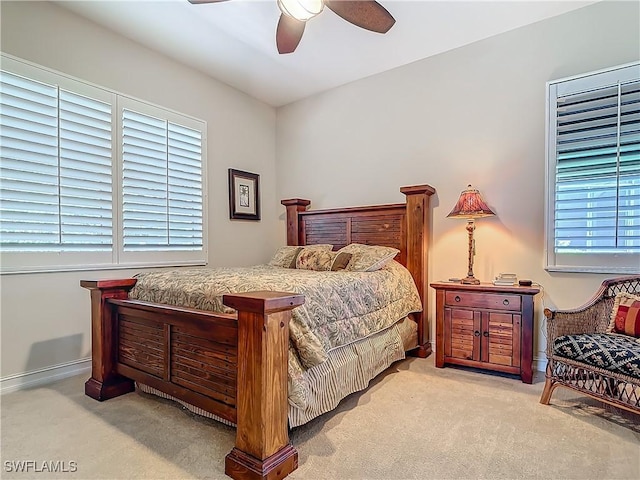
234, 41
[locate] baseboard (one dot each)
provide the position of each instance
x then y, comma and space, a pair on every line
43, 376
540, 363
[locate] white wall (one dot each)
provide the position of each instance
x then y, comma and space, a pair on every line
45, 317
472, 115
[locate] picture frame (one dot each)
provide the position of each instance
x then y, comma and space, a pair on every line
244, 195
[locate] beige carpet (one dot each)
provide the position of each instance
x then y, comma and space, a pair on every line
414, 422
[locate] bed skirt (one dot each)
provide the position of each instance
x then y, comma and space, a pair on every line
348, 369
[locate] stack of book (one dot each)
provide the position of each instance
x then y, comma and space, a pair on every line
506, 279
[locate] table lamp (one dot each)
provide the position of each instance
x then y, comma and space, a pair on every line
471, 206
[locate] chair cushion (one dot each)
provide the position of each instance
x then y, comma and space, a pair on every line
609, 351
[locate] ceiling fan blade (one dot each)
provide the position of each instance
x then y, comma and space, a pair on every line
289, 33
367, 14
196, 2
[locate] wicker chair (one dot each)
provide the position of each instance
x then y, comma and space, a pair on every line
592, 318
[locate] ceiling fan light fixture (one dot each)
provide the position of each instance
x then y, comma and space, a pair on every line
301, 10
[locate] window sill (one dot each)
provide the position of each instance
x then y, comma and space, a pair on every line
597, 270
93, 268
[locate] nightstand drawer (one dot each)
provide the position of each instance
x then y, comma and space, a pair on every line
480, 300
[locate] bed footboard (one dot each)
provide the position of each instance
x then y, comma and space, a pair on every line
234, 367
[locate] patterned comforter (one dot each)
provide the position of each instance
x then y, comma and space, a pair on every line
340, 307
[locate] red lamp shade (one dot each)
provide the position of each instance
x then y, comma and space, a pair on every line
471, 205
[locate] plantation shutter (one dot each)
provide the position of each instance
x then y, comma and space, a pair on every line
55, 146
162, 184
85, 173
185, 187
597, 194
92, 179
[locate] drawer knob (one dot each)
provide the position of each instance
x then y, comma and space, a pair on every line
457, 298
505, 301
485, 334
476, 333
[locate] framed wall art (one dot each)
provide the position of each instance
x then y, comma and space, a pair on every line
244, 195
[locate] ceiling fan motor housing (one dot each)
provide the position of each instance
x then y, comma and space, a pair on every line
301, 10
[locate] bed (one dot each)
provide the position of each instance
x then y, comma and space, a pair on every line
236, 364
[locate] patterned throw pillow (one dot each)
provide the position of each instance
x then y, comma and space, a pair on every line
321, 260
340, 261
625, 315
285, 257
368, 258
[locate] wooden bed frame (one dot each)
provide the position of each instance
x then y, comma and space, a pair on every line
235, 366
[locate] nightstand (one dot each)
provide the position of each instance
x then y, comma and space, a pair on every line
485, 326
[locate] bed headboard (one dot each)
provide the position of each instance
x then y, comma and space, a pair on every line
404, 226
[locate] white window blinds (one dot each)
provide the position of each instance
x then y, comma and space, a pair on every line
92, 179
85, 173
594, 167
162, 184
55, 147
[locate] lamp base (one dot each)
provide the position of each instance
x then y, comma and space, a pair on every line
470, 281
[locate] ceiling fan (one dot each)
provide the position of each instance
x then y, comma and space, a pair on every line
367, 14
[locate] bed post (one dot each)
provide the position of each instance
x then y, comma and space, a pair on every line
105, 383
417, 215
262, 450
294, 232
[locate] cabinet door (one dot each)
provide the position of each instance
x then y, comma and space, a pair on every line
462, 333
501, 338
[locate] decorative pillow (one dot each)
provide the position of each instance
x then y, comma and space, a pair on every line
285, 257
625, 315
340, 261
321, 260
368, 258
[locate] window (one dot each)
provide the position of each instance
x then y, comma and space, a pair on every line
593, 171
93, 179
